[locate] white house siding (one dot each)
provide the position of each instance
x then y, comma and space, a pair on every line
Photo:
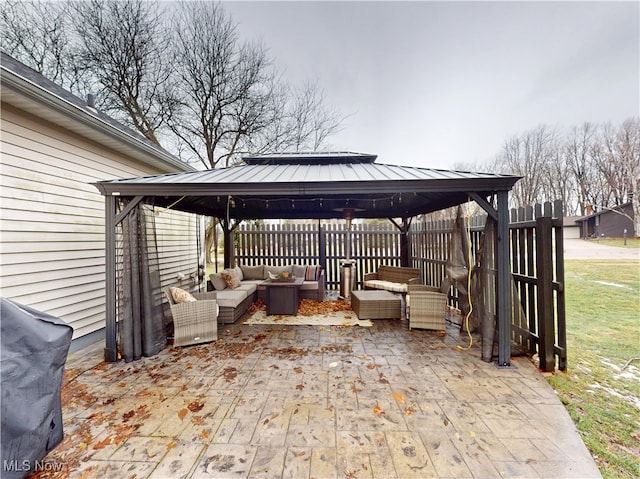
177, 252
52, 219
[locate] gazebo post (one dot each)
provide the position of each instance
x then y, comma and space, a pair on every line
405, 260
227, 233
111, 347
504, 282
404, 243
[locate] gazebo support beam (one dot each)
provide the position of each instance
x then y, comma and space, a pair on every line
491, 211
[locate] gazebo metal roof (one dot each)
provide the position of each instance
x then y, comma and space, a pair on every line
312, 185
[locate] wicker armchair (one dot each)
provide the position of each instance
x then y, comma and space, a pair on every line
426, 307
194, 322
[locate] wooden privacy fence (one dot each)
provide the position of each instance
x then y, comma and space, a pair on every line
323, 244
537, 263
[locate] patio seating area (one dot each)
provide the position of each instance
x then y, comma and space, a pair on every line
273, 401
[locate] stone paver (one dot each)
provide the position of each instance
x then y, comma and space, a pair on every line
305, 402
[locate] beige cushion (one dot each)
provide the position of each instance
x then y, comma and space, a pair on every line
252, 272
230, 278
180, 295
239, 273
309, 285
248, 286
230, 298
386, 285
217, 281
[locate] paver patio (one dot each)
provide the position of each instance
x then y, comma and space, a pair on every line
272, 401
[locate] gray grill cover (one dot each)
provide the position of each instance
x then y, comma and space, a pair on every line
34, 348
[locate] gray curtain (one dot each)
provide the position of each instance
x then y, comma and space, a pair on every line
141, 327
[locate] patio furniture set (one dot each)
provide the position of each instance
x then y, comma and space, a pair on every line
196, 315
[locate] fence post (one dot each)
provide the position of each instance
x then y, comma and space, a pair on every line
560, 299
544, 273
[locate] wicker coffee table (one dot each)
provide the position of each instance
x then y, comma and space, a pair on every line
375, 304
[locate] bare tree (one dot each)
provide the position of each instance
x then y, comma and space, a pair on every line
225, 85
123, 45
37, 33
627, 147
578, 148
558, 180
233, 100
528, 155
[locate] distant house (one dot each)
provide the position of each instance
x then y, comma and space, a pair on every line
52, 236
571, 227
611, 222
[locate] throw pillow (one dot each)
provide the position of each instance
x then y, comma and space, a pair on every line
218, 282
299, 271
230, 278
313, 273
180, 295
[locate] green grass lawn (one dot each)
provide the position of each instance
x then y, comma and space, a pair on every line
631, 242
603, 335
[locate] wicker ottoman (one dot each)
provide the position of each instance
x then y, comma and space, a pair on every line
375, 304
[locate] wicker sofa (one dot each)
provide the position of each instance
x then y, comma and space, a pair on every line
392, 278
234, 302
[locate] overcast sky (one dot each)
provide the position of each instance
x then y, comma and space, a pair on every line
436, 84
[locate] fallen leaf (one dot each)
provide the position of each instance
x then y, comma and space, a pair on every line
195, 406
300, 387
299, 453
182, 413
298, 370
102, 444
204, 434
399, 397
128, 415
377, 410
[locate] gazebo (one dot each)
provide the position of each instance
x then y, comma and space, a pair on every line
314, 186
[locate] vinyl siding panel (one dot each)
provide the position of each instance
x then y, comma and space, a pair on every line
52, 221
178, 254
